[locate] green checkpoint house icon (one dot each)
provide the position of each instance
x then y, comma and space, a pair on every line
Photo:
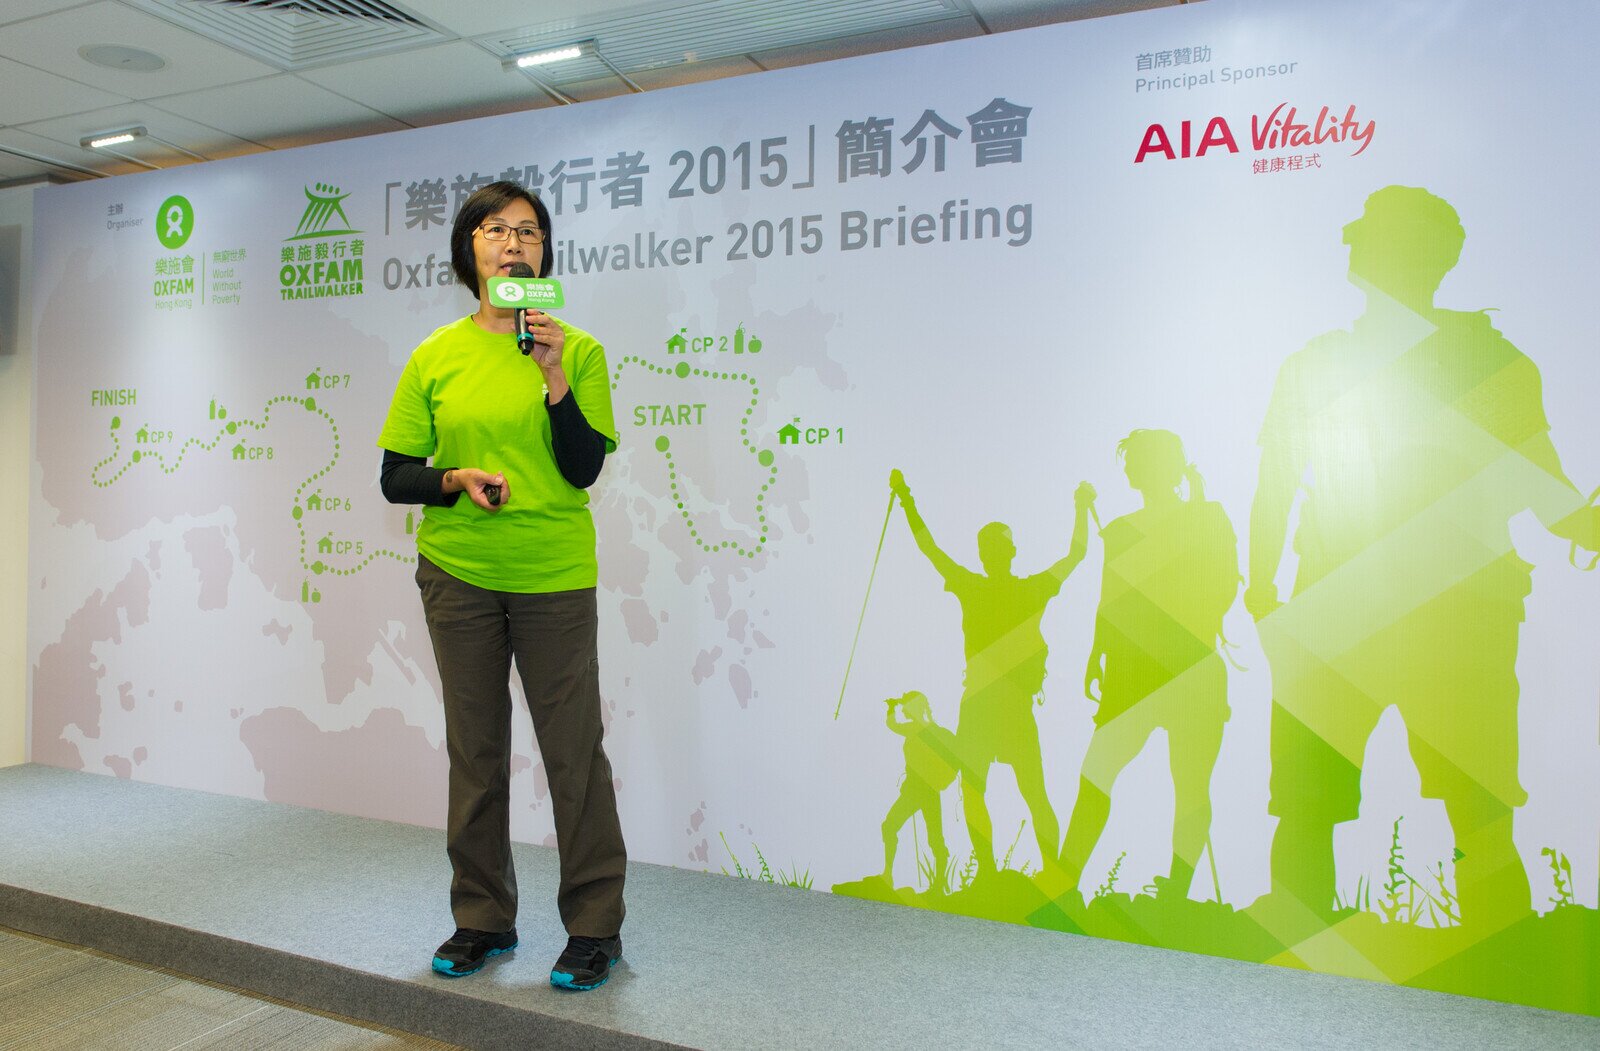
789, 434
325, 545
678, 344
238, 451
174, 221
314, 381
314, 501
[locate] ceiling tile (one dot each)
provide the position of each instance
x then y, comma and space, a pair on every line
655, 37
431, 85
33, 94
1005, 15
203, 140
17, 169
56, 151
17, 10
278, 111
609, 85
193, 62
869, 43
612, 86
694, 72
240, 149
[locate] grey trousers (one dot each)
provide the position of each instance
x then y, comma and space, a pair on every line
477, 633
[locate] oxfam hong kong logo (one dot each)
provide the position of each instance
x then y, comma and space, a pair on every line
174, 221
322, 259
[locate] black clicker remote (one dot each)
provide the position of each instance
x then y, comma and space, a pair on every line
491, 493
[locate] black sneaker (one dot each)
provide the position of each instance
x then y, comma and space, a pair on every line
466, 950
586, 963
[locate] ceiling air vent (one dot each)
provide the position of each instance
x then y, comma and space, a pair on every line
300, 34
331, 8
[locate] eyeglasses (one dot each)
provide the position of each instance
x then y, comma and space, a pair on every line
528, 235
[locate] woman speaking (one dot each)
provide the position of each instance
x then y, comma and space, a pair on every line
509, 574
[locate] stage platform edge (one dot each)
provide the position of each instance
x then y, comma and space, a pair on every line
341, 914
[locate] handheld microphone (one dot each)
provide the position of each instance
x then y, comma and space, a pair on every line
524, 337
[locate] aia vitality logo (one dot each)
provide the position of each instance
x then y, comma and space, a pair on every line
1280, 129
321, 259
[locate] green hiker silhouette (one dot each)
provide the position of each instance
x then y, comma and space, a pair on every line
1005, 651
930, 752
1414, 436
1171, 572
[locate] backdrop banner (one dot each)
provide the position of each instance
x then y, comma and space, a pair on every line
1130, 477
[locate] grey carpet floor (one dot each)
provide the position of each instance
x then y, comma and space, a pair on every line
342, 914
55, 996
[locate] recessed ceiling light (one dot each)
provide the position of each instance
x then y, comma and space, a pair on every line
111, 138
553, 54
120, 57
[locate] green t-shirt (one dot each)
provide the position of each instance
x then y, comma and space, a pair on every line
467, 398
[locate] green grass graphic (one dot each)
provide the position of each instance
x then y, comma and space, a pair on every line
798, 878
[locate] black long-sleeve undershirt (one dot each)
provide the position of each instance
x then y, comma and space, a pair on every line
580, 449
409, 480
580, 452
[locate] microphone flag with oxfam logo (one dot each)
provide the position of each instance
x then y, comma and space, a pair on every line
526, 293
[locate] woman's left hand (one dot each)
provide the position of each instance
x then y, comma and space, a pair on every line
549, 340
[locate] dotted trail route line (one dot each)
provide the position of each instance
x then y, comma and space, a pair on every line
683, 370
229, 430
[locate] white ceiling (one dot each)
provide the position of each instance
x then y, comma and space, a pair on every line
220, 100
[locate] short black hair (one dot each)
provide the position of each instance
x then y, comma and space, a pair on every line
479, 207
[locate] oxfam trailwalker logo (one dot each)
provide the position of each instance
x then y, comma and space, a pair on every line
174, 221
321, 259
